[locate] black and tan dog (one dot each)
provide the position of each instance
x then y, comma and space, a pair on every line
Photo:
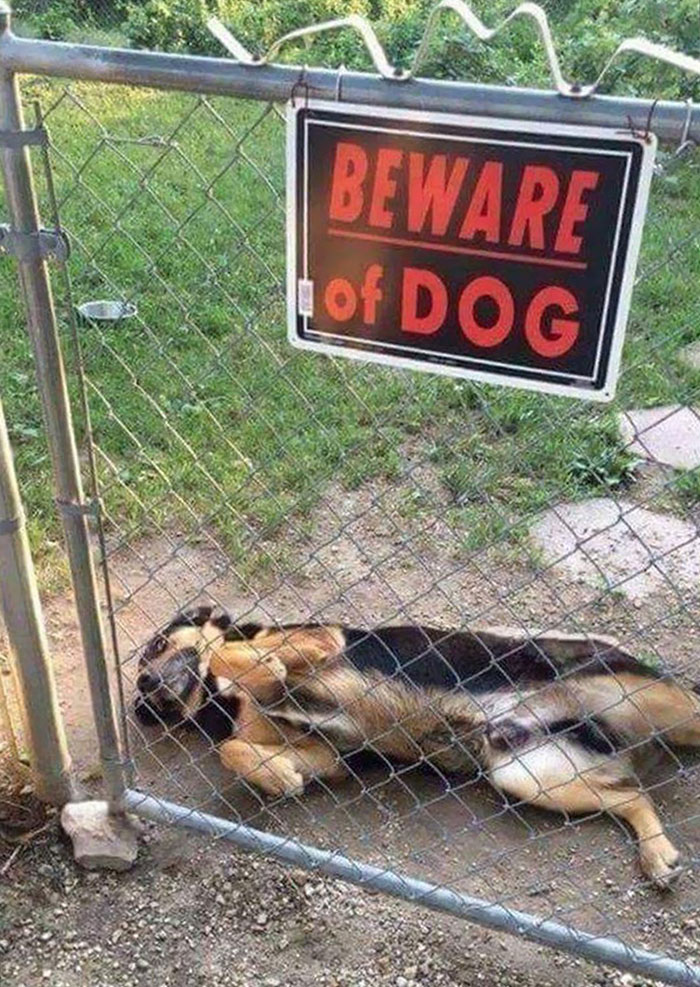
554, 721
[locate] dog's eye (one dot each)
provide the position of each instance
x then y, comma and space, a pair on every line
156, 647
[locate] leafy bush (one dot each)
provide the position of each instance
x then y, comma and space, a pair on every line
178, 25
170, 25
48, 20
61, 19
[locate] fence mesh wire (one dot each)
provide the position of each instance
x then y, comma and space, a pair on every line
11, 740
290, 488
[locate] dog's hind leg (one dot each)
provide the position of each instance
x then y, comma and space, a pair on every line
564, 776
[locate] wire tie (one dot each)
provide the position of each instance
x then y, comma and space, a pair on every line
69, 508
15, 139
11, 525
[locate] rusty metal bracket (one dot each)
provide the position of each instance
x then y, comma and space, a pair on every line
44, 244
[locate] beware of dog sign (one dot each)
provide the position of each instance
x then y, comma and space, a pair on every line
498, 250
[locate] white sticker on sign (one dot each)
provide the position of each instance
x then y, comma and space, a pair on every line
306, 297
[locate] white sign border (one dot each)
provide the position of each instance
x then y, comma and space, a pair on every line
602, 394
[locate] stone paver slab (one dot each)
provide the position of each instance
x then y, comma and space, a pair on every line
669, 435
611, 543
690, 354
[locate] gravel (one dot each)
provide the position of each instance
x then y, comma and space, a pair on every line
193, 913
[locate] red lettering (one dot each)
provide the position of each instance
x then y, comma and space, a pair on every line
538, 193
484, 212
370, 292
349, 172
388, 159
340, 299
562, 333
433, 191
486, 287
415, 278
574, 211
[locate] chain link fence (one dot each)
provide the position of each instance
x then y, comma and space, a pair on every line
11, 740
282, 488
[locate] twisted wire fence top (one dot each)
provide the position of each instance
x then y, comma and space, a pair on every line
191, 24
528, 11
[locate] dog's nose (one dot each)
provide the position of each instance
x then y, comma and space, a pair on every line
148, 682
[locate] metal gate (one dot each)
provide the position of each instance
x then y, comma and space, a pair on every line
223, 469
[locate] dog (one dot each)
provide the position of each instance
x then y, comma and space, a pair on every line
551, 720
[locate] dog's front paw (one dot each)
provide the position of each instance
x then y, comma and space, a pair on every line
659, 859
277, 777
273, 773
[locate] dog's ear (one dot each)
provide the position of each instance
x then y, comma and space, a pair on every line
196, 617
203, 615
220, 619
241, 632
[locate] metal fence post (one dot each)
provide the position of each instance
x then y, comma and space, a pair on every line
41, 323
50, 760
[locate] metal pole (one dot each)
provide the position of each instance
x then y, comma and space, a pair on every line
224, 76
50, 760
440, 899
41, 322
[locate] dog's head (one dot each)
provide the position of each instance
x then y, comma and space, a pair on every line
174, 685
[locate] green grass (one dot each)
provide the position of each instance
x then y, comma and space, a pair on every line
208, 424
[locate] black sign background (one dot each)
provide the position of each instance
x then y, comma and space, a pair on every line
349, 250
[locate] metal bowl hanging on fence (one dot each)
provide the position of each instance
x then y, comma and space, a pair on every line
106, 311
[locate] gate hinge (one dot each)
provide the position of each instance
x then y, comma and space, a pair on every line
46, 244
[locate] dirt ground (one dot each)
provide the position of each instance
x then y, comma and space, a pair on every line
194, 911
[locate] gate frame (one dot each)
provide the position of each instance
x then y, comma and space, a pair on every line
270, 83
28, 646
51, 379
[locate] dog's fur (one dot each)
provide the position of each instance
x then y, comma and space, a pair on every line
288, 705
